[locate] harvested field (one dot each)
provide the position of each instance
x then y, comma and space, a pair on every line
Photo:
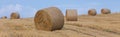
87, 26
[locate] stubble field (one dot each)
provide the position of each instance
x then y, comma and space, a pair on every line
102, 25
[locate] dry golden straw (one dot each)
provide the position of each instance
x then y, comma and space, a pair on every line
15, 15
49, 19
92, 12
71, 15
105, 11
4, 17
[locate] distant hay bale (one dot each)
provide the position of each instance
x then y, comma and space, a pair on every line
15, 15
49, 19
92, 12
71, 15
4, 17
105, 11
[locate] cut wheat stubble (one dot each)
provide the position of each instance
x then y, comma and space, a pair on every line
49, 19
15, 15
105, 11
71, 15
92, 12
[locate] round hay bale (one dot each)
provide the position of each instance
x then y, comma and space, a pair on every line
4, 17
92, 12
71, 15
49, 19
15, 15
105, 11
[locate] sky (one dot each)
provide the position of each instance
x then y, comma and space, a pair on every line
28, 8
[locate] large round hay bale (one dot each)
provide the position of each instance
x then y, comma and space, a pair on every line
105, 11
4, 17
71, 15
92, 12
14, 15
49, 19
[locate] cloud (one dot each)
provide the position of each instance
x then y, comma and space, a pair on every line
25, 11
10, 8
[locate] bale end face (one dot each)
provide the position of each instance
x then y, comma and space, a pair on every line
71, 15
15, 15
92, 12
105, 11
49, 19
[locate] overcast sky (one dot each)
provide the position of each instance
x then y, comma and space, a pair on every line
28, 8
